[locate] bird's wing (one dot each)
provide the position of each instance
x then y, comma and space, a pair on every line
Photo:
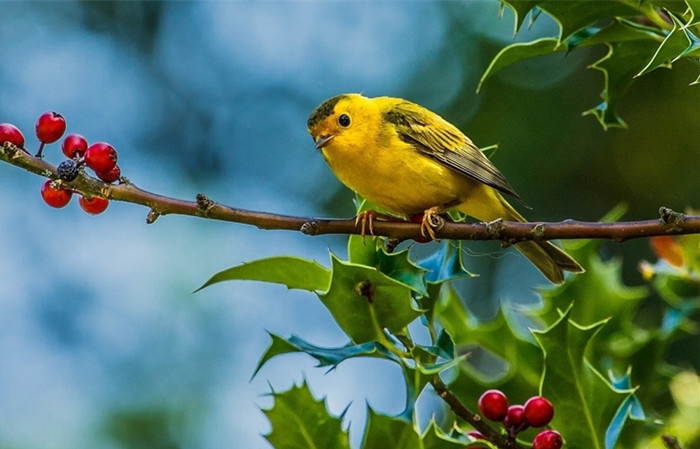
436, 138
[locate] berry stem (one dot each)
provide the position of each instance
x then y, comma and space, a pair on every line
472, 418
38, 154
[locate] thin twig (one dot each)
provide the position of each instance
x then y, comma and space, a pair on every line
472, 418
669, 223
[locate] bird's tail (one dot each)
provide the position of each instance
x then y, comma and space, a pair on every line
551, 260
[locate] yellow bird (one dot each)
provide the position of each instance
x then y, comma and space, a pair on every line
409, 160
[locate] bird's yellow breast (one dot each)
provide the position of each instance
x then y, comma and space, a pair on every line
392, 174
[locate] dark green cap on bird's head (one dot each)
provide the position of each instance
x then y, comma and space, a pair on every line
324, 110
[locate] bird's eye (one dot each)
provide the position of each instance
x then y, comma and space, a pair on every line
344, 120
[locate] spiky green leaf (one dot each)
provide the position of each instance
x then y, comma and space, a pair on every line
299, 421
573, 16
519, 52
679, 42
630, 408
521, 9
294, 272
396, 265
445, 264
586, 402
325, 356
365, 301
600, 290
382, 430
434, 438
648, 42
496, 339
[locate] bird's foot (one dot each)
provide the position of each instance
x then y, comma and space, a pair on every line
432, 221
366, 220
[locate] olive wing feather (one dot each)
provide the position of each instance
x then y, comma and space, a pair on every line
436, 138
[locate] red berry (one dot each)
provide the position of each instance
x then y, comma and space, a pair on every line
515, 418
55, 197
111, 175
50, 127
10, 133
538, 411
101, 157
74, 145
493, 405
94, 205
547, 439
476, 435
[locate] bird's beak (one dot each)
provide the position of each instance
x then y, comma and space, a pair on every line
323, 141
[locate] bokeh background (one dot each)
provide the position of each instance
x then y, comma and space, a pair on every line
103, 344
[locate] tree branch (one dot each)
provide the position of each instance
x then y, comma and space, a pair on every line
472, 418
669, 223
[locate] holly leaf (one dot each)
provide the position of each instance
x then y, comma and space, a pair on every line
396, 265
630, 48
694, 10
428, 362
365, 301
382, 429
619, 66
361, 250
496, 342
601, 288
586, 402
518, 52
294, 272
630, 408
573, 16
434, 438
428, 304
444, 347
646, 44
325, 356
520, 8
417, 375
299, 421
679, 42
445, 264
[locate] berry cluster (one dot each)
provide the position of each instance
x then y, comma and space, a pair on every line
536, 412
101, 157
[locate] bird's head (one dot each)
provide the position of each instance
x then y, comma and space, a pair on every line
334, 117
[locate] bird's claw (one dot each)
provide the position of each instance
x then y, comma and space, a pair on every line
432, 221
366, 220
